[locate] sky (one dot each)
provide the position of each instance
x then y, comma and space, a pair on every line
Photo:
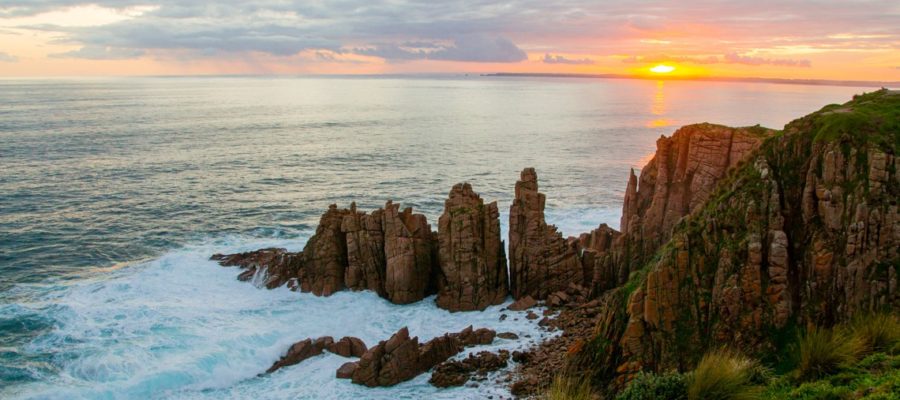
816, 39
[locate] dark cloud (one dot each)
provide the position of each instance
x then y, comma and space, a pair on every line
558, 59
466, 48
6, 57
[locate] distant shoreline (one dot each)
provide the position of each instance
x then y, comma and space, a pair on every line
814, 82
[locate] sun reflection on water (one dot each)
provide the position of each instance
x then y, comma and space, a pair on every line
659, 107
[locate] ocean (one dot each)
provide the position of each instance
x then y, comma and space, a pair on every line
115, 192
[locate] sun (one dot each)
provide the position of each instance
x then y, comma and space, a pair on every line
662, 69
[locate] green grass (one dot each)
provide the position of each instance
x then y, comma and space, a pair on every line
670, 386
723, 375
876, 377
871, 117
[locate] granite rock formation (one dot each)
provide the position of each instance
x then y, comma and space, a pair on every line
389, 251
541, 261
409, 251
471, 255
402, 358
806, 231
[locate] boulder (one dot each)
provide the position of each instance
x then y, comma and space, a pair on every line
348, 347
522, 304
301, 351
458, 372
402, 358
346, 370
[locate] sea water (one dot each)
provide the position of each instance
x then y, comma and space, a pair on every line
115, 192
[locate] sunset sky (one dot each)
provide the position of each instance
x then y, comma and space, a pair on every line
825, 39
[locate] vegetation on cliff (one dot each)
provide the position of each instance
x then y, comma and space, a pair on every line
802, 232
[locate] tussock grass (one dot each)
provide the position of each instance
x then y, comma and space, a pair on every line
723, 375
878, 332
566, 387
827, 351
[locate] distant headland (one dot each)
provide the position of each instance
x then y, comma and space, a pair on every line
817, 82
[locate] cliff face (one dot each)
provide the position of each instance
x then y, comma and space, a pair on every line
806, 231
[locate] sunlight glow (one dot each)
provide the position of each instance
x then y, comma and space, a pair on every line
662, 69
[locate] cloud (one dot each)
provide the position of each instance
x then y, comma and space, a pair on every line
100, 53
558, 59
467, 48
730, 58
661, 58
6, 57
735, 58
473, 30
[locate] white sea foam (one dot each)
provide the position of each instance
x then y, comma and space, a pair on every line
181, 326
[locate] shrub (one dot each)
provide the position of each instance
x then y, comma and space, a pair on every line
565, 387
671, 386
723, 375
879, 332
826, 351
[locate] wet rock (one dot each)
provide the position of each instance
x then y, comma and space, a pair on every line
522, 304
348, 346
507, 336
471, 254
475, 366
402, 358
301, 351
346, 370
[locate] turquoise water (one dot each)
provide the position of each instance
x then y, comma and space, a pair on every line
113, 192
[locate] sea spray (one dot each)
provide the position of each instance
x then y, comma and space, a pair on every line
180, 326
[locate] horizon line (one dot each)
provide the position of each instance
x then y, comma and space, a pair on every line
787, 81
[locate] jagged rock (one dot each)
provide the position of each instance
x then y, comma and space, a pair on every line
458, 372
346, 370
301, 351
348, 346
523, 304
402, 358
366, 264
271, 267
541, 261
388, 251
325, 255
471, 254
409, 247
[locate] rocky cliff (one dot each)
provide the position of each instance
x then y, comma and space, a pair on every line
804, 231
